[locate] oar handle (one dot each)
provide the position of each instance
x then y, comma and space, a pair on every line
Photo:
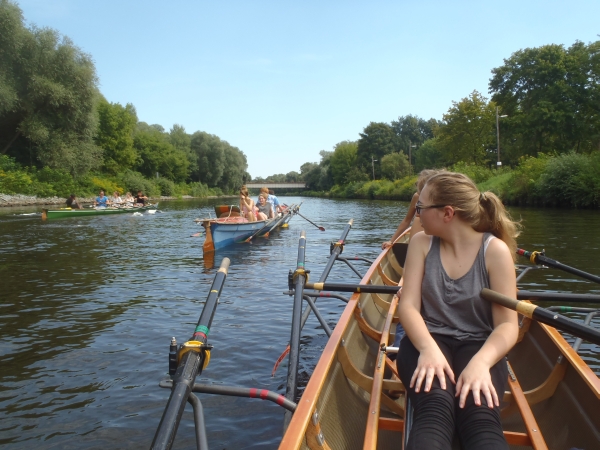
542, 315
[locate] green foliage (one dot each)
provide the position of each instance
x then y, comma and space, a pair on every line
429, 156
15, 182
48, 91
108, 185
157, 155
376, 141
394, 166
8, 164
343, 161
571, 180
522, 187
551, 95
478, 174
135, 181
116, 125
166, 187
469, 132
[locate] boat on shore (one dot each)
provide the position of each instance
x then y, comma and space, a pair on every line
229, 227
84, 212
355, 399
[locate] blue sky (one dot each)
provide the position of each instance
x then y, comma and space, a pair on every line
283, 80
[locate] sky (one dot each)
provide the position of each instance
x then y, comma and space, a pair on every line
283, 80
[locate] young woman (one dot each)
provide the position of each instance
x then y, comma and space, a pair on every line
410, 214
247, 206
265, 211
452, 359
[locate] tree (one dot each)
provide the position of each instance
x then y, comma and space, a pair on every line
469, 130
157, 155
394, 166
376, 141
210, 153
343, 161
552, 97
116, 125
236, 164
48, 94
429, 156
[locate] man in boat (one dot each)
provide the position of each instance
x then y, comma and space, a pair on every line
73, 203
140, 199
101, 201
275, 201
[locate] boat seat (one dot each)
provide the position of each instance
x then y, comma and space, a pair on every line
229, 214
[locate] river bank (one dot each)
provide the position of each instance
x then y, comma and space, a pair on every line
32, 200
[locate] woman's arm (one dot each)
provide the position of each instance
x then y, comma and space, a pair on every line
476, 376
432, 361
410, 214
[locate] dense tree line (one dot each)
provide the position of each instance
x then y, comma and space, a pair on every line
547, 100
53, 115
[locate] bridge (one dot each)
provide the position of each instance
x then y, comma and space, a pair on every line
276, 185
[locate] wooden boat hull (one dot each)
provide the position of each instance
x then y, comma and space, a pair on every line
62, 213
563, 394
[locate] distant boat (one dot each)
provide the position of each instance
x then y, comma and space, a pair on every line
230, 228
68, 212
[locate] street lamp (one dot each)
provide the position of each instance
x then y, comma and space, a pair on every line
373, 161
410, 147
498, 164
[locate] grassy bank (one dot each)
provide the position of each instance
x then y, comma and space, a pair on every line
46, 182
569, 180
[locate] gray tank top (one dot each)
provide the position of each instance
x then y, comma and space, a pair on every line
454, 308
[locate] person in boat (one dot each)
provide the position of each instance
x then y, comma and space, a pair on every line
275, 201
247, 206
116, 199
452, 359
265, 190
140, 199
424, 175
73, 203
101, 201
129, 199
265, 211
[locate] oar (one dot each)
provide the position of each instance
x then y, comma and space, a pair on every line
258, 232
309, 221
540, 258
544, 316
193, 357
343, 287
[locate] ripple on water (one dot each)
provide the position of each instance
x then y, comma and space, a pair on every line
89, 306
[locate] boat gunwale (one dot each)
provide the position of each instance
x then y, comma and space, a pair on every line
295, 433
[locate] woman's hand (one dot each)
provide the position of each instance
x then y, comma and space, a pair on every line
432, 362
386, 244
476, 377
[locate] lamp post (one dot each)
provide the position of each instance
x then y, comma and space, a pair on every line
498, 164
373, 161
410, 147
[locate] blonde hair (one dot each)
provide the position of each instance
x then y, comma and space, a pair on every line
484, 211
263, 195
425, 175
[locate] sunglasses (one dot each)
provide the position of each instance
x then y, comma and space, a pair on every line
420, 207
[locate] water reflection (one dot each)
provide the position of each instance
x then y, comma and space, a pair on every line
88, 307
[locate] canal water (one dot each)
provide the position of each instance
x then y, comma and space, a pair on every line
88, 307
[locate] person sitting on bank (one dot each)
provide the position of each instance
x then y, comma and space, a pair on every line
73, 203
247, 206
101, 201
140, 199
129, 199
265, 211
116, 199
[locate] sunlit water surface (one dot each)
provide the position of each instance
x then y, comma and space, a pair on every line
88, 307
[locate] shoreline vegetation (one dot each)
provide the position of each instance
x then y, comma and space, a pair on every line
535, 142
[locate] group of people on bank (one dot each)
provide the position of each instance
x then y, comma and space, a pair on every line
266, 207
116, 201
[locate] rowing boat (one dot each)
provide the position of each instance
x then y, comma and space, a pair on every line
68, 212
230, 228
354, 398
